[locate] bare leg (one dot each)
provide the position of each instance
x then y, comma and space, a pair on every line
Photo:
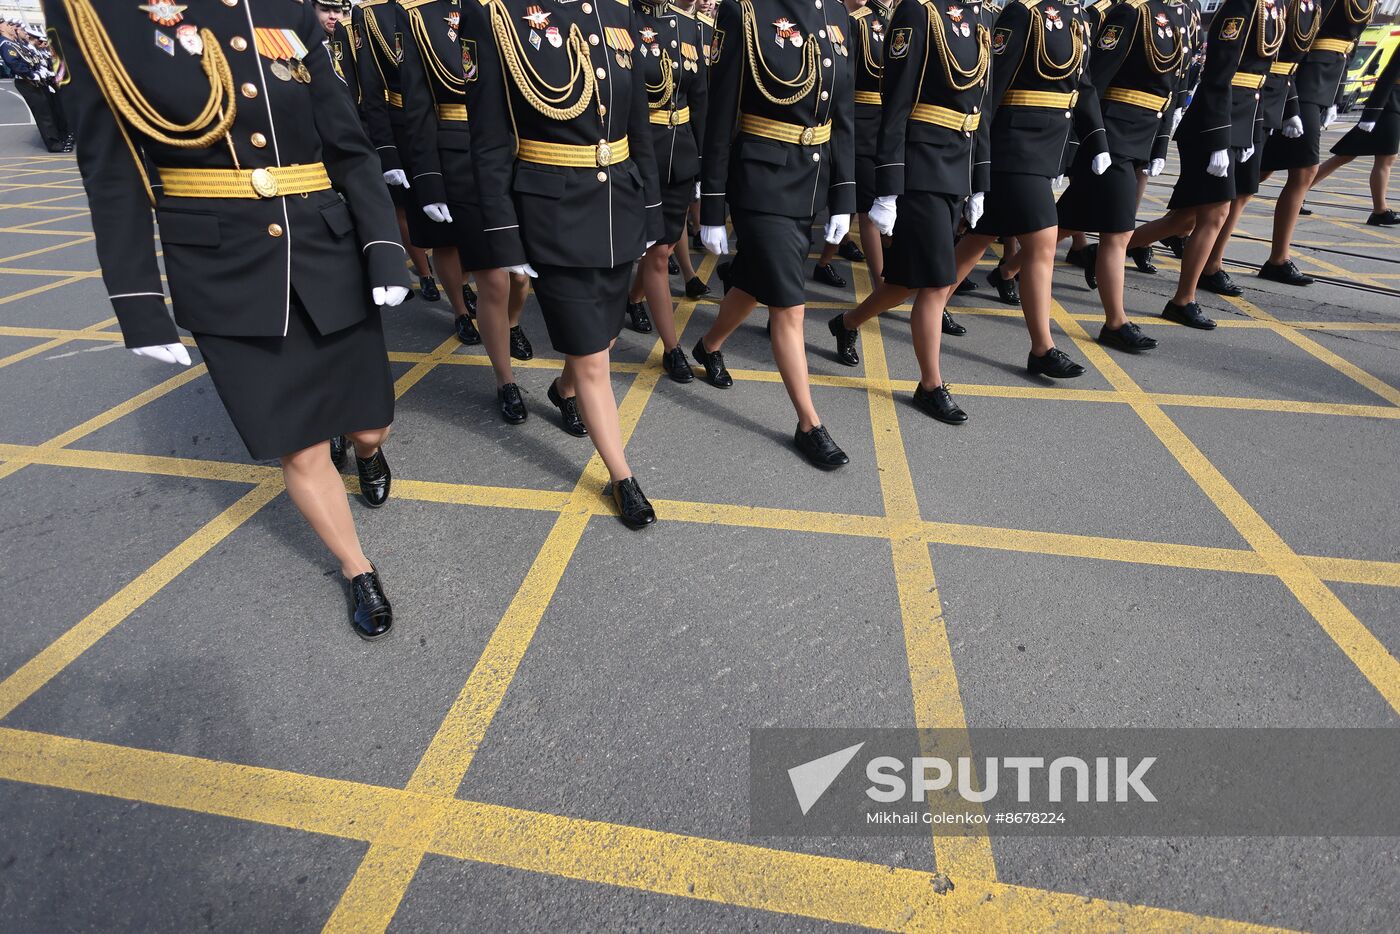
1037, 256
1113, 251
493, 288
1330, 166
790, 353
884, 297
519, 289
1290, 201
598, 407
1217, 251
1175, 223
415, 253
656, 282
873, 246
1380, 180
735, 307
449, 270
1011, 258
1078, 240
828, 253
1210, 218
926, 325
968, 251
682, 255
316, 488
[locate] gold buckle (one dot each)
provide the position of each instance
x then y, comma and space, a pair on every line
673, 118
604, 154
969, 123
1073, 99
809, 136
264, 183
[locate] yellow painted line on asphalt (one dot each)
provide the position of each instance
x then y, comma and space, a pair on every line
66, 333
1366, 652
782, 520
933, 677
40, 669
46, 287
70, 273
826, 888
78, 241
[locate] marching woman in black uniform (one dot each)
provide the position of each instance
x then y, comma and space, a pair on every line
1217, 131
272, 210
779, 149
1138, 53
932, 155
433, 74
1376, 134
667, 59
568, 187
1319, 76
1040, 83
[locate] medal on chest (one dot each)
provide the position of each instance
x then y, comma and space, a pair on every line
960, 25
620, 41
1162, 26
454, 19
1052, 19
787, 32
538, 21
166, 14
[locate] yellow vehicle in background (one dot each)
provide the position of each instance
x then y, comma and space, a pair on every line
1372, 51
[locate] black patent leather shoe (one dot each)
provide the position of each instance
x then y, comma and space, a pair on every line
673, 268
951, 326
938, 403
371, 616
1127, 338
713, 362
845, 341
375, 478
1007, 290
572, 422
965, 286
1304, 211
696, 244
633, 508
1142, 258
1219, 282
466, 330
695, 288
427, 287
520, 347
1079, 257
340, 448
1189, 314
850, 250
816, 445
469, 297
826, 274
1055, 363
677, 366
637, 317
1383, 219
1284, 272
1177, 245
1091, 263
512, 404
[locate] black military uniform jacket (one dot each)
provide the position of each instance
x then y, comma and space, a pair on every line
1385, 96
1136, 66
345, 50
438, 61
668, 59
1263, 32
379, 27
1301, 21
1207, 122
572, 183
1040, 80
1321, 72
231, 261
24, 63
785, 146
870, 25
705, 33
935, 135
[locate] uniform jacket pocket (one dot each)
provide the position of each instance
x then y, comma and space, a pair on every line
338, 219
763, 152
188, 228
540, 183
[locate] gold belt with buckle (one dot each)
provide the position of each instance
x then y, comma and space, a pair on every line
670, 117
868, 97
1060, 100
1245, 79
1156, 102
1282, 68
945, 117
785, 132
270, 182
599, 155
394, 98
1333, 45
452, 112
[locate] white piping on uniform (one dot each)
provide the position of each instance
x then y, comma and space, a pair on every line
389, 242
134, 295
277, 158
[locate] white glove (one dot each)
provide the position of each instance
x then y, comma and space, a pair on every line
716, 239
1219, 164
438, 212
650, 244
883, 213
525, 269
697, 192
1154, 168
1059, 182
165, 353
1247, 154
388, 295
972, 210
1101, 163
1292, 127
1330, 117
1366, 126
837, 227
396, 177
1176, 118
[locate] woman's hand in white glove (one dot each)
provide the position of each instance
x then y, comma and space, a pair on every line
972, 210
1219, 164
1330, 117
396, 177
1101, 163
438, 212
1366, 126
165, 353
883, 213
1154, 168
715, 239
525, 269
837, 227
1292, 127
388, 295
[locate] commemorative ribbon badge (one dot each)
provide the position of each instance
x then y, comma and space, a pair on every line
620, 41
284, 48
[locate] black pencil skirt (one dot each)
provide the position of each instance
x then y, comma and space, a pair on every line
676, 199
1384, 140
288, 393
772, 258
1104, 203
1018, 204
583, 307
865, 183
920, 254
1196, 186
423, 232
1248, 171
1283, 153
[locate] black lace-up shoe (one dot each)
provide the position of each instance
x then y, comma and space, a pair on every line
938, 403
1055, 363
340, 449
1218, 282
1007, 290
850, 250
845, 341
673, 268
696, 288
713, 362
950, 326
637, 317
965, 286
520, 347
1079, 257
466, 330
470, 298
816, 445
1142, 258
371, 616
1284, 272
1189, 315
1091, 263
1128, 338
512, 404
375, 479
427, 287
633, 507
571, 421
826, 274
677, 366
1383, 219
1177, 245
